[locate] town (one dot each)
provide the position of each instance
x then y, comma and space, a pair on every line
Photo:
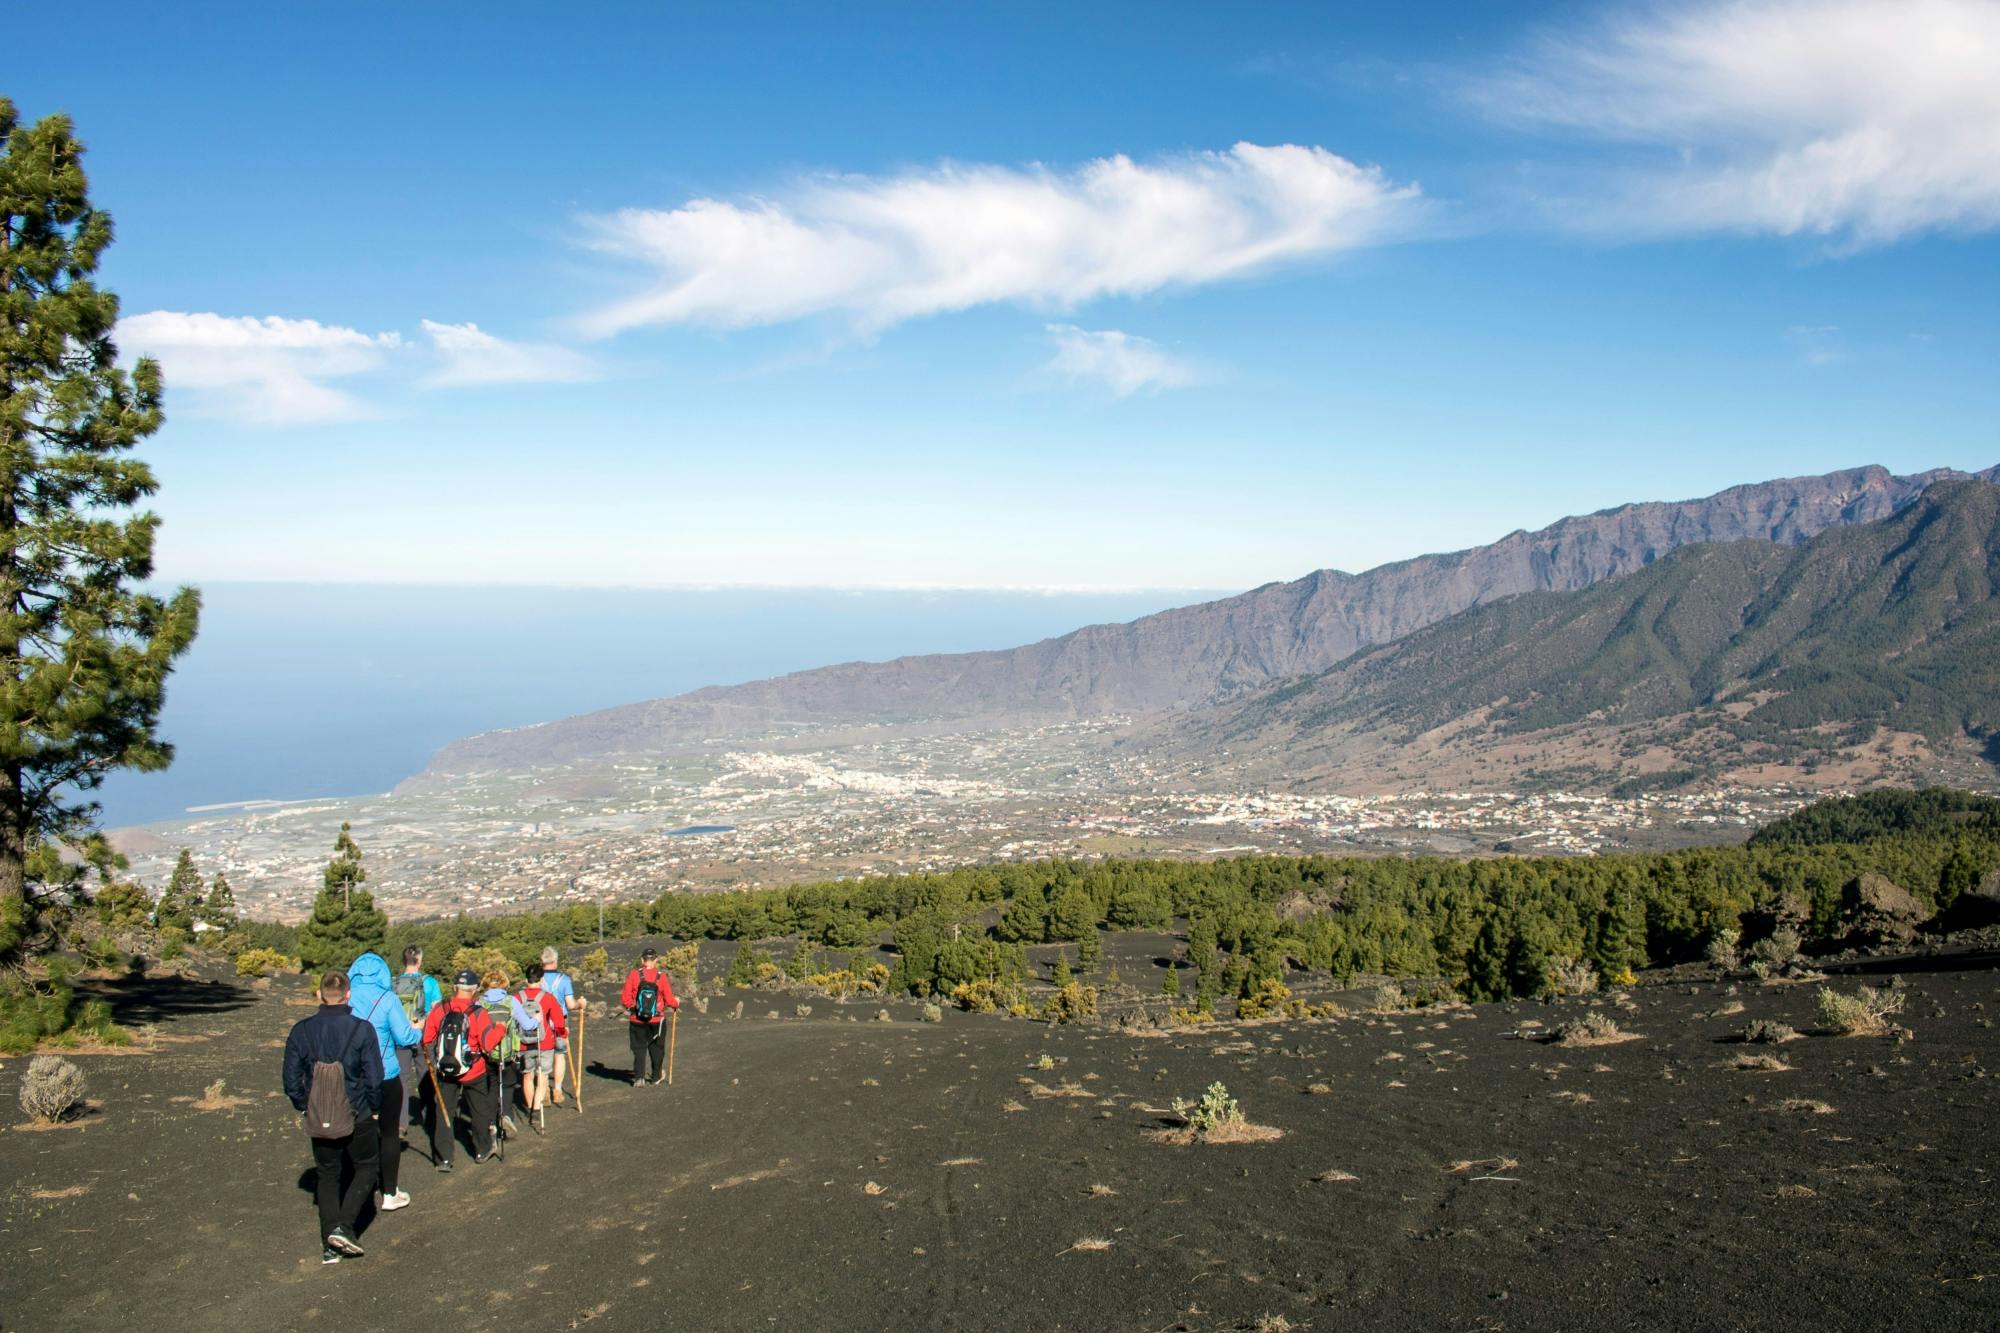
749, 818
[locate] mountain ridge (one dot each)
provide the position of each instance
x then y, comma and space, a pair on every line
1191, 656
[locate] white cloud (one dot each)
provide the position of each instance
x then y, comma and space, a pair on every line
268, 371
470, 355
1122, 362
1862, 121
878, 250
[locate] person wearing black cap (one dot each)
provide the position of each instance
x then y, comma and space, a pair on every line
458, 1038
646, 998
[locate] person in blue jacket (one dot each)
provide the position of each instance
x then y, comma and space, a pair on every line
372, 998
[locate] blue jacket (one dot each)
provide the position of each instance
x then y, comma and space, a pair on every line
372, 998
332, 1035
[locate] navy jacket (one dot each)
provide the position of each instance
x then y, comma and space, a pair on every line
335, 1034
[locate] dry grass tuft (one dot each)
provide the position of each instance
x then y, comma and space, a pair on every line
1865, 1013
1089, 1245
871, 1189
1805, 1106
964, 1161
73, 1192
1759, 1064
1272, 1323
1574, 1098
1593, 1029
1335, 1177
1065, 1089
1011, 1106
214, 1099
1797, 1192
1490, 1163
1101, 1192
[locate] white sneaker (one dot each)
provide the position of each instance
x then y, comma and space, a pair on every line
391, 1202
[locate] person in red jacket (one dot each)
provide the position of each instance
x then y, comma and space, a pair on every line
647, 997
539, 1017
458, 1036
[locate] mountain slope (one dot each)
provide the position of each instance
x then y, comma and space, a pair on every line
1714, 656
1195, 654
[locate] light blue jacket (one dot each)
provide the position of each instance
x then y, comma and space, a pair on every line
372, 998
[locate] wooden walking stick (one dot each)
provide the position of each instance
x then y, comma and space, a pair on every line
673, 1036
576, 1062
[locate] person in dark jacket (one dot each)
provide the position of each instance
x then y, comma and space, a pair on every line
333, 1035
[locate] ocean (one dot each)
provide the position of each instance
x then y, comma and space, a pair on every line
298, 691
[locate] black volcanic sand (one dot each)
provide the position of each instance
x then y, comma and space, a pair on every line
815, 1172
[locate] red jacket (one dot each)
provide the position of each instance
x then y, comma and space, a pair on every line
482, 1034
629, 997
539, 1002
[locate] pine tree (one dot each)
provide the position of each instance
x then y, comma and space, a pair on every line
219, 910
84, 654
743, 969
1059, 973
1172, 985
1089, 951
181, 900
804, 960
344, 922
1072, 914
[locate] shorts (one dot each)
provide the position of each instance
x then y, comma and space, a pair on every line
562, 1045
538, 1062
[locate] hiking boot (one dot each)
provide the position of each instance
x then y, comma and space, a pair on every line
482, 1158
338, 1239
445, 1165
391, 1202
507, 1126
328, 1255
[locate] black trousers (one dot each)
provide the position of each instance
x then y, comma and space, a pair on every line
648, 1040
353, 1157
389, 1131
477, 1097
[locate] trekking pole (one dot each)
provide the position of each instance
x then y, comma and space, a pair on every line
437, 1091
673, 1036
576, 1064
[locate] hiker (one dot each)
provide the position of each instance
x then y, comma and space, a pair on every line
646, 997
559, 985
333, 1076
458, 1036
374, 1001
499, 1007
538, 1017
420, 993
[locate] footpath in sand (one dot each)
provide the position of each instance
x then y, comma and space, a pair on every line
1437, 1169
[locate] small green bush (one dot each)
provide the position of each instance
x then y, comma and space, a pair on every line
1865, 1013
1216, 1110
263, 962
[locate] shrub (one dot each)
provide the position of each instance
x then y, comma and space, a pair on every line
595, 966
263, 962
51, 1089
1387, 998
1573, 976
173, 944
1767, 1031
121, 905
483, 961
1593, 1029
803, 1010
1777, 949
683, 964
1215, 1110
1722, 948
1189, 1018
1070, 1004
1865, 1013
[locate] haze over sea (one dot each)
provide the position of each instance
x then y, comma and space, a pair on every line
296, 691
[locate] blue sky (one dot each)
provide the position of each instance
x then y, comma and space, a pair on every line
1022, 296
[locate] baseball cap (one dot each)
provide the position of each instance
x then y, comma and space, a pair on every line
467, 977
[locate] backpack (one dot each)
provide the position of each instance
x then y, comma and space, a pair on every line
454, 1047
501, 1013
646, 1004
409, 988
531, 1030
329, 1115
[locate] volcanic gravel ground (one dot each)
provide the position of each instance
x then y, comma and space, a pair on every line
1439, 1169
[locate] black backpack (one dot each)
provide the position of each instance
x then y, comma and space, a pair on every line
454, 1046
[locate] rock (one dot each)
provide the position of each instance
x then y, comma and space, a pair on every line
1876, 911
1977, 907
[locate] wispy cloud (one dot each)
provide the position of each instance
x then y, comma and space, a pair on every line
264, 371
1861, 121
470, 355
876, 250
271, 371
1121, 362
1817, 344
